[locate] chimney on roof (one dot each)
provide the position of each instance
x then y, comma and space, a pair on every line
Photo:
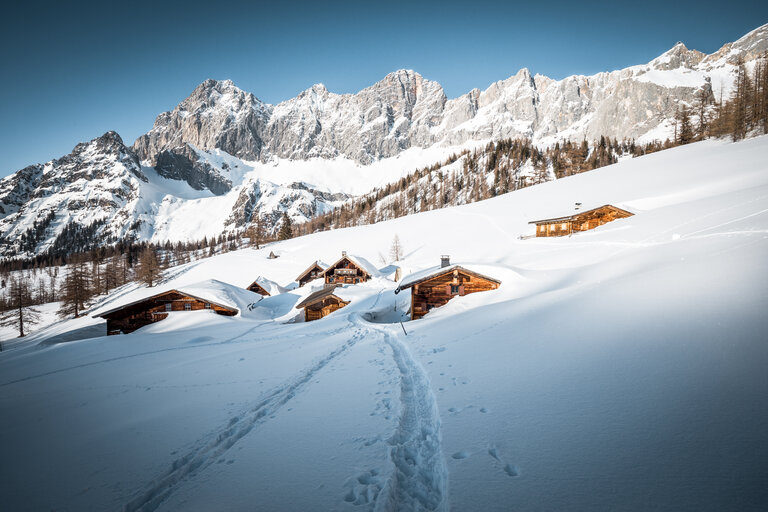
343, 254
445, 261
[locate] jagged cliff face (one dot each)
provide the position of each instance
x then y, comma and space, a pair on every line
100, 194
406, 110
98, 182
203, 167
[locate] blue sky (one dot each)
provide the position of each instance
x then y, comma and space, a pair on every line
72, 72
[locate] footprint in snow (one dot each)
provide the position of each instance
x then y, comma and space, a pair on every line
463, 454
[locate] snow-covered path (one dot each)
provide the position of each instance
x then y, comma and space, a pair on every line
419, 481
208, 450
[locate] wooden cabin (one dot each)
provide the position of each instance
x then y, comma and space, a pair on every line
314, 271
135, 315
321, 303
257, 288
432, 289
579, 221
347, 271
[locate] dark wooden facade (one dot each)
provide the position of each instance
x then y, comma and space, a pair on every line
581, 221
135, 315
438, 288
314, 271
345, 271
321, 303
257, 288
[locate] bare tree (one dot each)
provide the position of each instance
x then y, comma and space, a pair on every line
149, 268
396, 250
76, 289
20, 310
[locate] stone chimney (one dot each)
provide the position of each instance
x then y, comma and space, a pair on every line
445, 261
343, 254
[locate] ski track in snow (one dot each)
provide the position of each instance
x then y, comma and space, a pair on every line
419, 480
130, 356
210, 449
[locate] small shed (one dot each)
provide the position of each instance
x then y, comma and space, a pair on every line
434, 287
579, 221
134, 315
349, 270
321, 303
314, 271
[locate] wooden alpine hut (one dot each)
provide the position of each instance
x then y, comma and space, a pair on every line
434, 287
349, 270
265, 287
134, 315
579, 221
321, 303
314, 271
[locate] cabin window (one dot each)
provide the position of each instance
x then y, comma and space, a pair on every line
357, 280
563, 225
454, 289
187, 306
207, 305
168, 306
330, 279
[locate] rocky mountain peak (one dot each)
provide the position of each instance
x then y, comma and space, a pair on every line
679, 56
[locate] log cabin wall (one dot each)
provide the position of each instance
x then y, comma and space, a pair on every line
580, 222
322, 308
345, 272
153, 310
437, 291
311, 276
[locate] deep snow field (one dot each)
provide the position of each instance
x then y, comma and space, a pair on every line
621, 369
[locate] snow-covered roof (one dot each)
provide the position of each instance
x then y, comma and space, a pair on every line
320, 295
213, 291
270, 286
429, 273
362, 263
575, 213
318, 263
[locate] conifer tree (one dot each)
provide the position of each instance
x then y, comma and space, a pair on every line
286, 230
20, 312
75, 289
149, 268
396, 250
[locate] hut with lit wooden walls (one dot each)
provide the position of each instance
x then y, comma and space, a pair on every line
321, 303
314, 271
129, 317
434, 287
349, 270
579, 221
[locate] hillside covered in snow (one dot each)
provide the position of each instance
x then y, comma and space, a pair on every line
621, 368
222, 156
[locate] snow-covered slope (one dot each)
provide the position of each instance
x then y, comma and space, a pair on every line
618, 369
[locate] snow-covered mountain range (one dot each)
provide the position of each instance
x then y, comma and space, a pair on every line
222, 154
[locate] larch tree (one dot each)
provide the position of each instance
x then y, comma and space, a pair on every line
76, 289
149, 268
20, 312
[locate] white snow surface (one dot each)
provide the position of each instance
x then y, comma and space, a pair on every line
619, 369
